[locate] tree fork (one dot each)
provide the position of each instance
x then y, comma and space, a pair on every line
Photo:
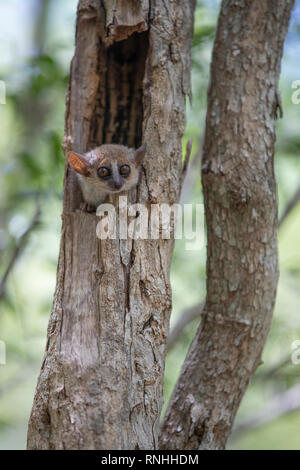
101, 381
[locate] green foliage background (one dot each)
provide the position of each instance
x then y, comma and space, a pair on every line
36, 46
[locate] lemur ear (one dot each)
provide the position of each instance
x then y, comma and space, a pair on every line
139, 154
79, 163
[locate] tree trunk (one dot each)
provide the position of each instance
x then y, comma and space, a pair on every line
241, 214
101, 382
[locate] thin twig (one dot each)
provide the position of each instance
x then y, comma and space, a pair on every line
185, 318
290, 206
278, 406
18, 249
186, 159
190, 176
272, 371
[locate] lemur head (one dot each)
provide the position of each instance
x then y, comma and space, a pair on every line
110, 168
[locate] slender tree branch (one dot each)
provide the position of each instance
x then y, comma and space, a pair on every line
269, 373
241, 213
192, 174
186, 317
290, 206
274, 409
186, 159
18, 250
33, 126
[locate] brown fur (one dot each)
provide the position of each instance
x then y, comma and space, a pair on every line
112, 156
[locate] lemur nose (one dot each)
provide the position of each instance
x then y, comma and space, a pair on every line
118, 184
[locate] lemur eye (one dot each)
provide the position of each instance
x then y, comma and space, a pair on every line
103, 172
124, 170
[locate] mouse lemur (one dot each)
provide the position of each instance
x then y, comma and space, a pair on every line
107, 169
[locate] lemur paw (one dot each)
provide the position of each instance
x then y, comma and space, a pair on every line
85, 207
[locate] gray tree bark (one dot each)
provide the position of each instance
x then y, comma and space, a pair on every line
101, 381
241, 214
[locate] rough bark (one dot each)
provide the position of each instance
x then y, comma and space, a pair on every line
241, 214
100, 386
